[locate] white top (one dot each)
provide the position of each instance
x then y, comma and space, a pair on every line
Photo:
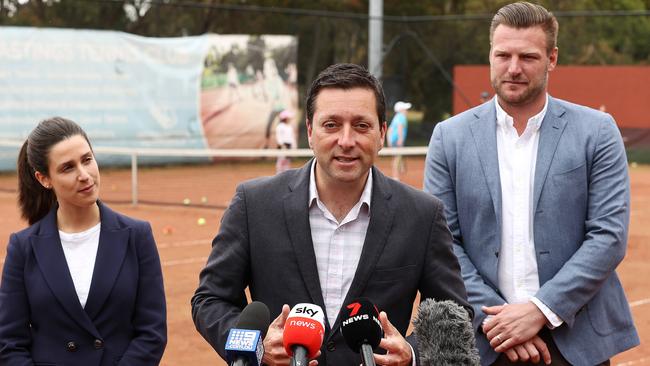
337, 245
80, 251
284, 134
518, 273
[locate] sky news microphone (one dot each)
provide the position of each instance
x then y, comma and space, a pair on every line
303, 333
362, 329
445, 334
245, 346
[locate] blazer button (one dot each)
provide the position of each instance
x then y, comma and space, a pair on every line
71, 346
99, 344
331, 346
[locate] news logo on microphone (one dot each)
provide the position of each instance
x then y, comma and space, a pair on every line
304, 329
245, 341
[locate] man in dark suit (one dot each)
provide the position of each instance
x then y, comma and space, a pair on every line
334, 230
537, 196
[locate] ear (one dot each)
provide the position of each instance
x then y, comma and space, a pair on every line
553, 59
309, 132
43, 180
383, 129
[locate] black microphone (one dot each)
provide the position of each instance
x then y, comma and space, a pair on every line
245, 346
445, 334
362, 329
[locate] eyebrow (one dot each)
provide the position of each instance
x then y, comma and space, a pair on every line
84, 155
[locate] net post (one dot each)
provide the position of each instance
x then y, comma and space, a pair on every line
134, 179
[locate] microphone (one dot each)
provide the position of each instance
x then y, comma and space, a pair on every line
445, 334
244, 346
362, 329
303, 333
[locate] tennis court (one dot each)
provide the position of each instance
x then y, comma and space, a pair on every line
184, 243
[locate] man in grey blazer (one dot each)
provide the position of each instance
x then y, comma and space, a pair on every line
332, 231
537, 198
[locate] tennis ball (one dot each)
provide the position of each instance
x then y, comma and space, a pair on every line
200, 221
186, 201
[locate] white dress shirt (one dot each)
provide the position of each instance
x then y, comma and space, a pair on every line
337, 245
517, 271
80, 250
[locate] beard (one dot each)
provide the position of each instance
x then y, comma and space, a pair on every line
533, 90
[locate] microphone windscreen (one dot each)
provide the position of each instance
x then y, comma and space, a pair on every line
445, 334
255, 316
305, 326
360, 324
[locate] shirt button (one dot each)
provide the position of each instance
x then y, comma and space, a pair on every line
331, 346
99, 344
71, 346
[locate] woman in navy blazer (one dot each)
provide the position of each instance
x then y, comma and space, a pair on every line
56, 306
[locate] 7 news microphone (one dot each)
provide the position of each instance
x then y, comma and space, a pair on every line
303, 333
362, 329
445, 334
244, 346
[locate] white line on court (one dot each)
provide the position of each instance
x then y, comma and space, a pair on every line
177, 262
635, 362
640, 302
187, 243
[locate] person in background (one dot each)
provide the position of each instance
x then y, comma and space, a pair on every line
397, 135
537, 197
82, 285
285, 137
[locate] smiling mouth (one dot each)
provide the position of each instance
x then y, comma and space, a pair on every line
344, 159
87, 189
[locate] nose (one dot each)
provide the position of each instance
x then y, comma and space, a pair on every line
346, 137
513, 66
83, 174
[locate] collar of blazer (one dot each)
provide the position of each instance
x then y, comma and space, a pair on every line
297, 213
113, 241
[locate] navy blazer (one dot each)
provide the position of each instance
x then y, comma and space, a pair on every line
581, 209
124, 320
265, 243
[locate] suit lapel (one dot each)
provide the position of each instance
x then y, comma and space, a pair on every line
51, 260
549, 135
485, 139
113, 242
382, 211
297, 219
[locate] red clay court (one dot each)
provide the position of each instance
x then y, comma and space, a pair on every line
184, 244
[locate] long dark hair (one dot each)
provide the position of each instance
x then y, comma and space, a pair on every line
36, 201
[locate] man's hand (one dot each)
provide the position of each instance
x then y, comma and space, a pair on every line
274, 353
398, 350
512, 324
533, 350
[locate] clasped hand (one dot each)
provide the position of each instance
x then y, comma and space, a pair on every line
513, 329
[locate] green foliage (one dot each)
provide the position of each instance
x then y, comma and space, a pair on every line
420, 55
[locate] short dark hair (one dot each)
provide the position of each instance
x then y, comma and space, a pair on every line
34, 200
525, 15
346, 76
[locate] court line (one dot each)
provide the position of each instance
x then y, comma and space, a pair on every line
640, 302
176, 262
635, 362
186, 243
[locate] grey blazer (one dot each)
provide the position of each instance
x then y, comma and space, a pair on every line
581, 203
265, 243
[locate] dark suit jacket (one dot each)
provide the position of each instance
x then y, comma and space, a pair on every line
264, 242
41, 319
